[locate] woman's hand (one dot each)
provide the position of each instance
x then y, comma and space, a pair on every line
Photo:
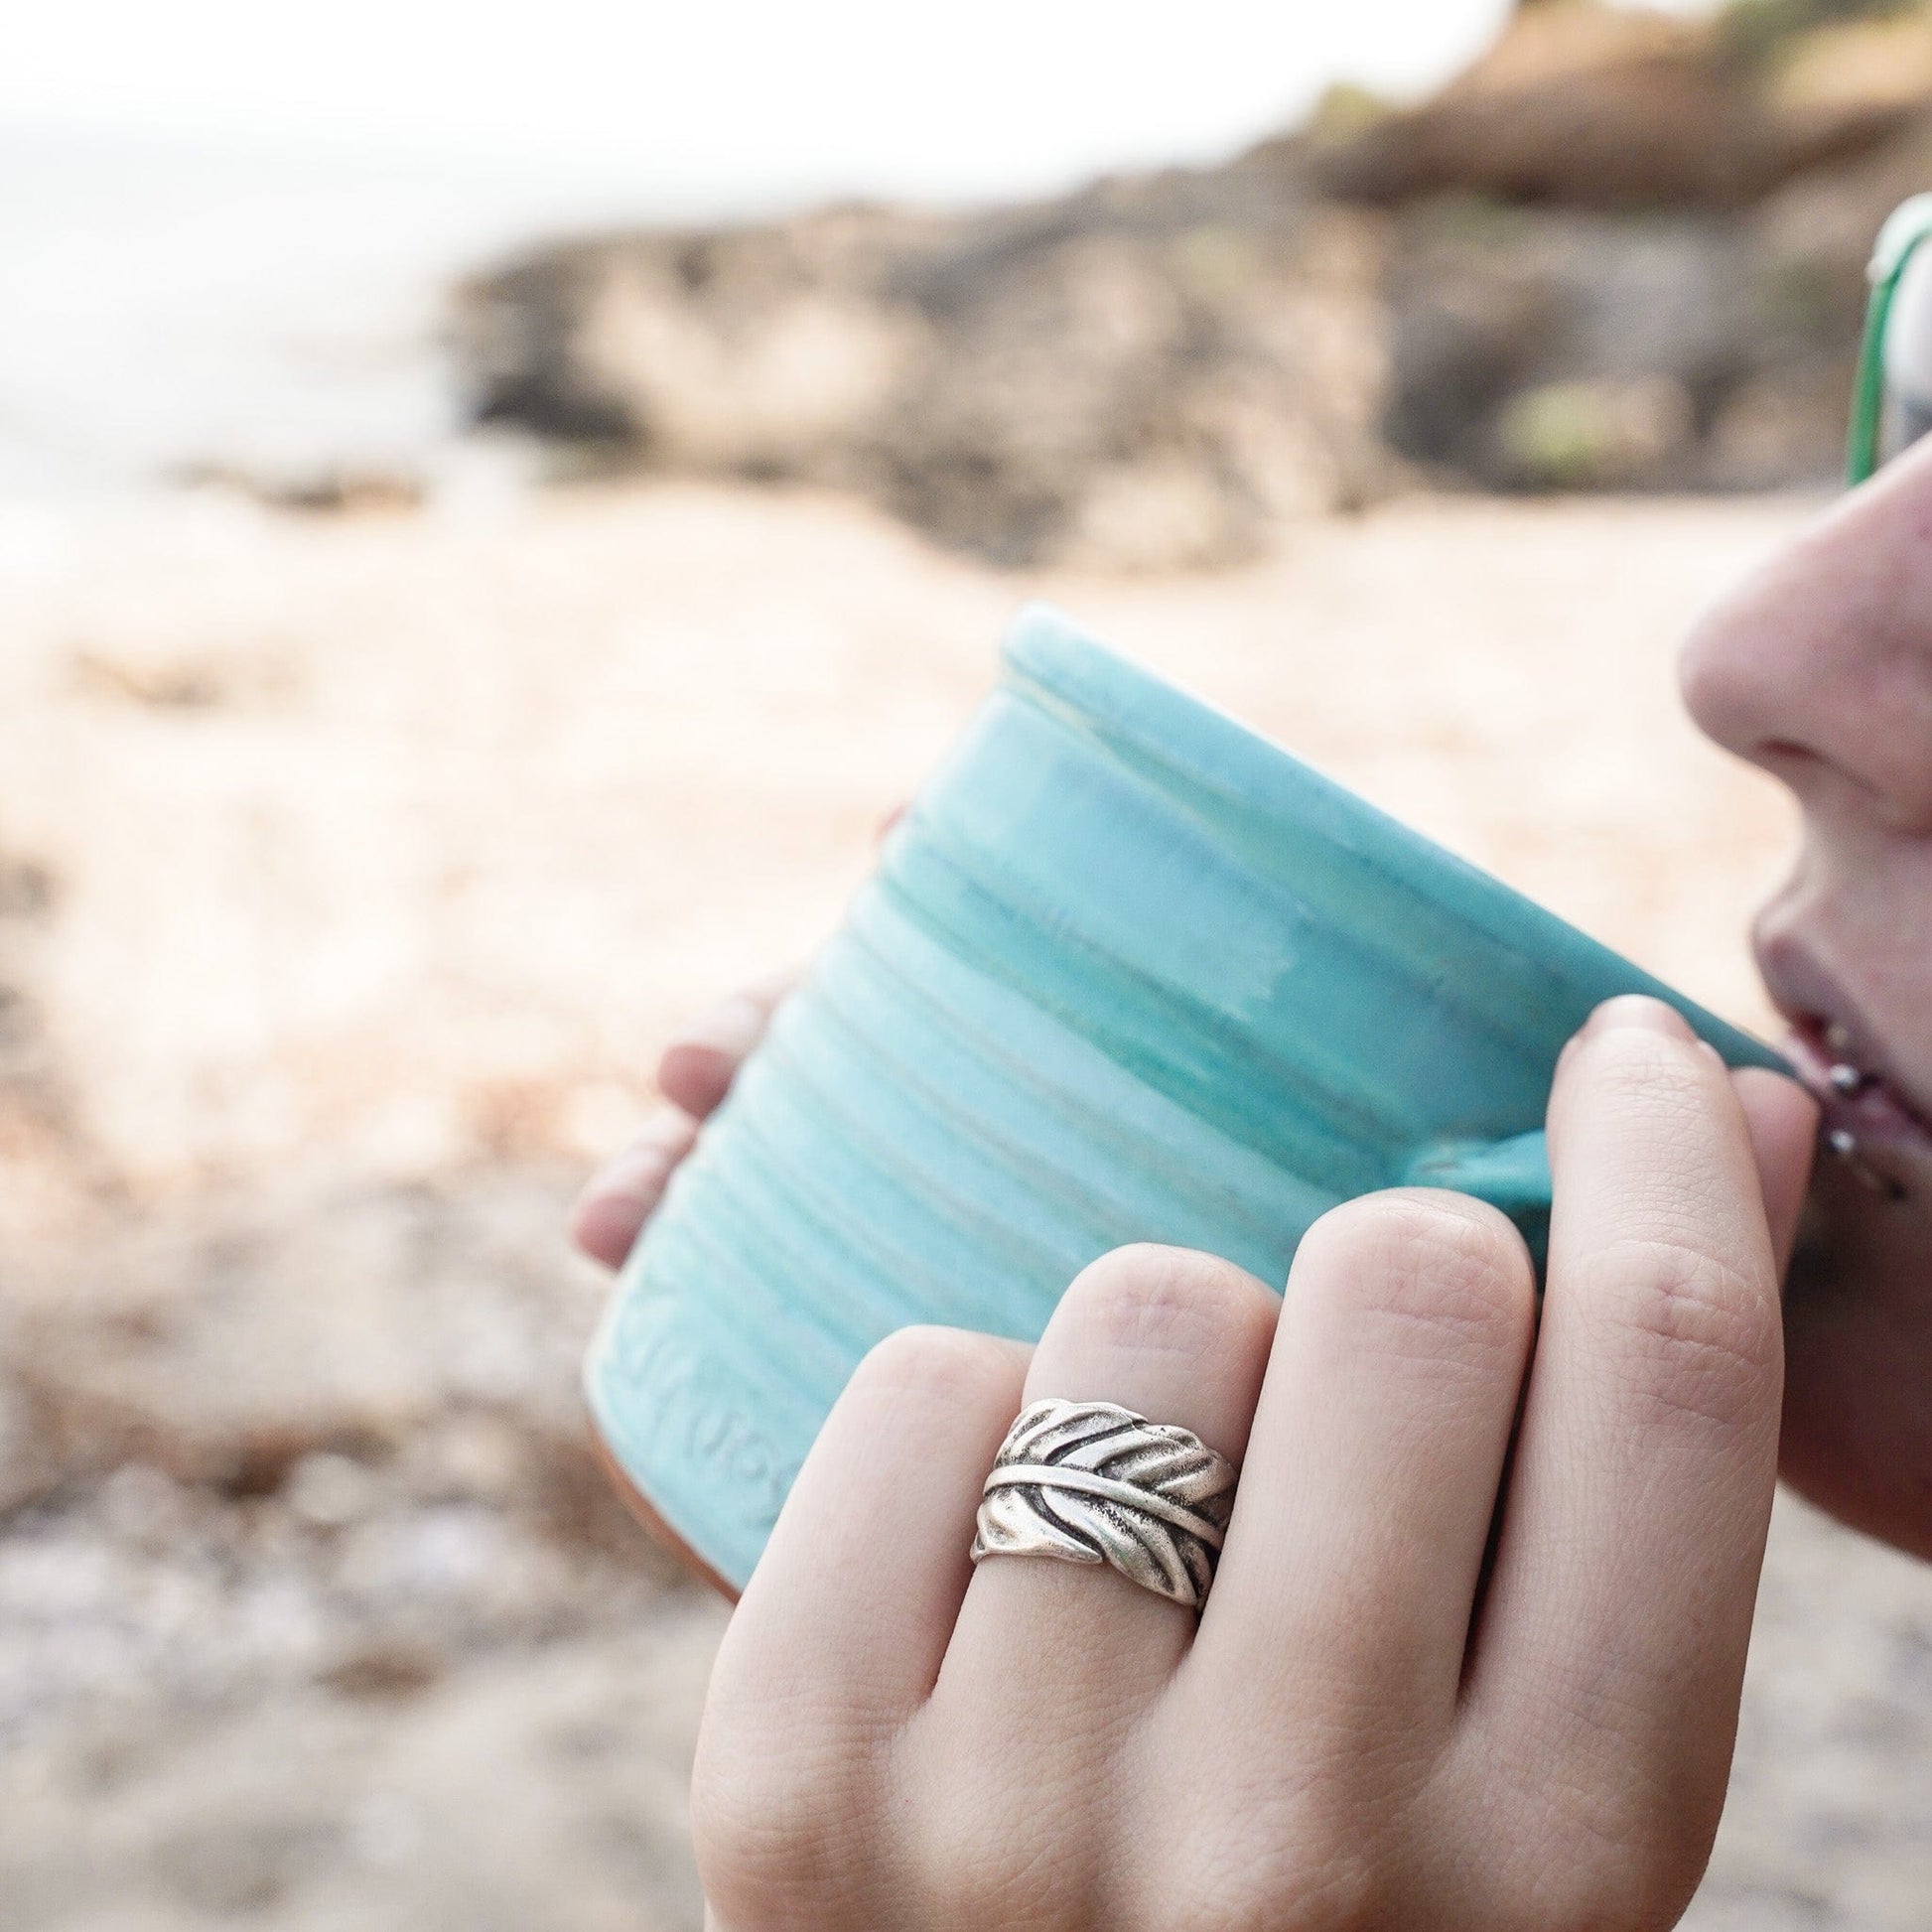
1473, 1655
694, 1075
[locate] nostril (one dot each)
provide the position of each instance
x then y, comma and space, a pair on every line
1818, 777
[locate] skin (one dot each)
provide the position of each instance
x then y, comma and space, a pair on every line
1487, 1663
1819, 669
1483, 1603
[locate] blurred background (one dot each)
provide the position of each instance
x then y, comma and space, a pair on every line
498, 502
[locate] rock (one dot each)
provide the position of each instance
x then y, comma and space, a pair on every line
416, 1354
1536, 349
1151, 373
44, 1157
306, 1564
1674, 298
1623, 252
1596, 107
330, 489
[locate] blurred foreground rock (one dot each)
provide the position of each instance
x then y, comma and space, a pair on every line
315, 1610
1621, 252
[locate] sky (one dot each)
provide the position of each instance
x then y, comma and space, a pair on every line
231, 224
711, 104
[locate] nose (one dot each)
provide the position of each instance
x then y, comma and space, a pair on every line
1819, 667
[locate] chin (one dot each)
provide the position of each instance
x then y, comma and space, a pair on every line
1857, 1416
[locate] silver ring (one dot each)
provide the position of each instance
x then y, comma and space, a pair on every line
1093, 1482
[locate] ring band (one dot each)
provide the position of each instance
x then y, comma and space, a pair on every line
1093, 1482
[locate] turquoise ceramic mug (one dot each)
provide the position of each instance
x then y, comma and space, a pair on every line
1125, 972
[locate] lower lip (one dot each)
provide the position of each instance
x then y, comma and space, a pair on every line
1874, 1115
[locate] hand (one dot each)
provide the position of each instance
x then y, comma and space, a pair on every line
694, 1075
1474, 1656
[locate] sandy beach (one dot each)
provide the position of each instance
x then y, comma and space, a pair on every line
352, 871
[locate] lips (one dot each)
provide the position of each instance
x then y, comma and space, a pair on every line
1837, 1054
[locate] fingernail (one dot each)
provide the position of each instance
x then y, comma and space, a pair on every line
605, 1226
1638, 1010
638, 1173
731, 1027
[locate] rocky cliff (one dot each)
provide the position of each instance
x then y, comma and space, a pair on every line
1621, 251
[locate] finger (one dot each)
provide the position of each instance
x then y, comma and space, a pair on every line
1783, 1122
622, 1195
842, 1627
698, 1066
1353, 1559
1633, 1528
848, 1614
1177, 1338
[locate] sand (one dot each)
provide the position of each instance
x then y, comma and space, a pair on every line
352, 871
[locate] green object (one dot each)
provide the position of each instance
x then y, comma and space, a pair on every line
1898, 242
1125, 972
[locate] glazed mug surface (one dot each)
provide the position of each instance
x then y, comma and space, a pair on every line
1125, 972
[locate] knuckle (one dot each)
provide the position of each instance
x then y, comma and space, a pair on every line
1699, 1336
1615, 1876
1321, 1886
771, 1827
1166, 1300
995, 1851
957, 1865
1634, 1849
1286, 1850
1423, 1269
1636, 1813
931, 1363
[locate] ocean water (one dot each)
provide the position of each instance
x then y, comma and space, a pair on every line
163, 308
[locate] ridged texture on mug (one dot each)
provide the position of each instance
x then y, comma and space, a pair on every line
1127, 972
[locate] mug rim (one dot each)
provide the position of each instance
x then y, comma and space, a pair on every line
1235, 772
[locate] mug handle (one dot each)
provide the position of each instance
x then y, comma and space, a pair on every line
1512, 1174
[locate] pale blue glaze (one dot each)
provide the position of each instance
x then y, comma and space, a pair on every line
1127, 972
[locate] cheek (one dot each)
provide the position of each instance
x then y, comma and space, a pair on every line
1859, 889
1881, 895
